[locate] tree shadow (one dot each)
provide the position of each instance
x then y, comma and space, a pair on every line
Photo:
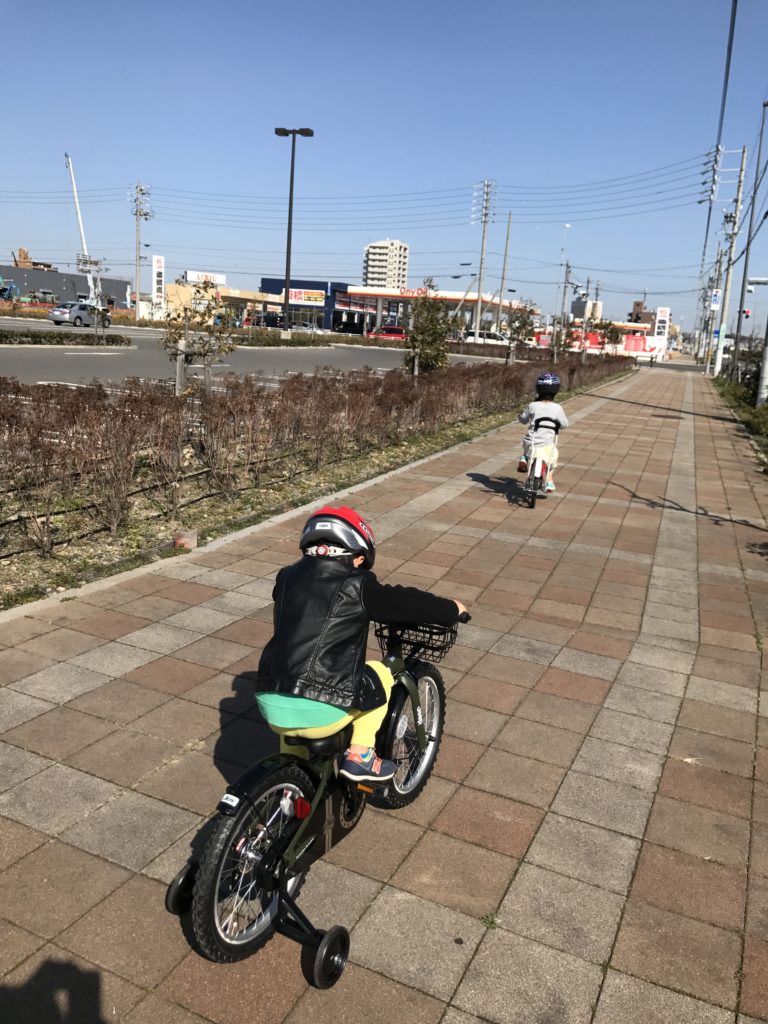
701, 512
667, 408
512, 489
761, 549
57, 993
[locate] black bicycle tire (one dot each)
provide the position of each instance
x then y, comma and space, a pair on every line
392, 799
207, 940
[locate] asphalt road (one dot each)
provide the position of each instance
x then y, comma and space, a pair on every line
145, 358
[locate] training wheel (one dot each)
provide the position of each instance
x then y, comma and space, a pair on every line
331, 957
178, 895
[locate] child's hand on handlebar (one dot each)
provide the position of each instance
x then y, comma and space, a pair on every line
464, 615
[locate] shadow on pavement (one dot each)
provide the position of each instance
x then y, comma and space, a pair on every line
57, 993
512, 489
703, 513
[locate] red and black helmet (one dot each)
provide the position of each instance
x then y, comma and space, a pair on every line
341, 531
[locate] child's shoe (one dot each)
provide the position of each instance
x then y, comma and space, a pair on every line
522, 466
367, 768
550, 487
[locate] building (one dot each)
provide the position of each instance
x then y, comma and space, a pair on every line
385, 264
56, 286
592, 309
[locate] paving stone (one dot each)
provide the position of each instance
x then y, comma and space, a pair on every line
689, 956
124, 756
421, 950
131, 829
20, 628
524, 649
16, 841
376, 1000
754, 993
758, 862
114, 659
659, 707
650, 655
53, 886
16, 708
60, 644
585, 852
699, 831
377, 846
15, 664
193, 781
431, 801
715, 752
217, 654
691, 886
587, 664
189, 593
161, 637
179, 721
237, 603
545, 985
60, 683
657, 679
706, 787
735, 725
541, 742
495, 695
110, 625
154, 1010
628, 1000
557, 711
611, 805
489, 821
573, 686
457, 874
737, 698
513, 670
55, 798
118, 701
456, 758
619, 763
333, 895
153, 607
260, 990
472, 723
17, 764
631, 731
58, 733
562, 912
107, 935
518, 778
16, 944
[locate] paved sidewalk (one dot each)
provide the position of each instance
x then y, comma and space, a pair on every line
594, 844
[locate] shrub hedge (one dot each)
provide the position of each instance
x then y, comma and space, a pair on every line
22, 337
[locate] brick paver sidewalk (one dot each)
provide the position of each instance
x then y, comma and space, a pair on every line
594, 844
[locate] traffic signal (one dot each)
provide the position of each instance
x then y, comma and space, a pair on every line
745, 313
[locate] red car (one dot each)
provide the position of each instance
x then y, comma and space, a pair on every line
388, 333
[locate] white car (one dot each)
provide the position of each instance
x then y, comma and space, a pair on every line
79, 314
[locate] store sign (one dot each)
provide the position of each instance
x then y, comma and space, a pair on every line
716, 299
201, 277
302, 297
158, 280
413, 293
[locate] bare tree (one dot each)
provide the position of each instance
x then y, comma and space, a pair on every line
201, 330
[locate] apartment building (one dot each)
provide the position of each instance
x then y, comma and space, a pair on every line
385, 264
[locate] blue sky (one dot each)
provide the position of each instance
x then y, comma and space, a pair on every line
412, 104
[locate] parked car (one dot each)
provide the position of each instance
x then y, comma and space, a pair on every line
491, 337
389, 333
79, 314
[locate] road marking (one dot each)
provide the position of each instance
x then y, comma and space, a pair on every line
96, 353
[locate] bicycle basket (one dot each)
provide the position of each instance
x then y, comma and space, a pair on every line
416, 639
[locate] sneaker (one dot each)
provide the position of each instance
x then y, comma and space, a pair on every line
522, 466
550, 487
367, 768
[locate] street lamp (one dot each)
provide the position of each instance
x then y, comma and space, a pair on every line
284, 133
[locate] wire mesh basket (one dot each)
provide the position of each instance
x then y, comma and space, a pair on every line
416, 639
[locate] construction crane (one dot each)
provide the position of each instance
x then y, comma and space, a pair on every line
84, 262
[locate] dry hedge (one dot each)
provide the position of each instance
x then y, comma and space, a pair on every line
78, 461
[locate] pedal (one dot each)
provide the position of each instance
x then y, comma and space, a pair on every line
366, 789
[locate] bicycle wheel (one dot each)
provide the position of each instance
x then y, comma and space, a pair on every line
531, 490
232, 916
398, 740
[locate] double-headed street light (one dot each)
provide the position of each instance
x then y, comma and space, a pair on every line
284, 133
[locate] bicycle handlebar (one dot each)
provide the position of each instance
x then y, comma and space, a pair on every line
465, 617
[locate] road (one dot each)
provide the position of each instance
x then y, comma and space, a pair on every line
145, 358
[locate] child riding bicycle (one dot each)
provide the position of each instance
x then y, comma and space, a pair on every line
312, 672
541, 437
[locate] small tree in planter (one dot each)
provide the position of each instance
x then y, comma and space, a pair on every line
428, 334
200, 331
609, 333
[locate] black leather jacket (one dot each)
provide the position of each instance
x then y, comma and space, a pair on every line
322, 610
321, 631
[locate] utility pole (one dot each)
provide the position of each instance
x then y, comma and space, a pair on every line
486, 195
561, 332
503, 272
141, 212
733, 220
745, 274
709, 319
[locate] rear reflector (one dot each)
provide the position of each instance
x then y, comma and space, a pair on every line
301, 807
